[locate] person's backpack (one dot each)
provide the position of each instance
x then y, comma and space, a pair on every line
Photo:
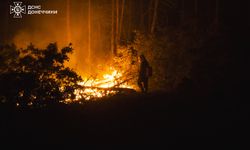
150, 71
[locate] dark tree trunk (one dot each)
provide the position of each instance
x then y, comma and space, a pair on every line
121, 20
89, 31
113, 27
156, 2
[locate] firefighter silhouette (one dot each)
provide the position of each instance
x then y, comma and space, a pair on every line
145, 71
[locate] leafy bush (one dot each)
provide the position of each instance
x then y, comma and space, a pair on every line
35, 76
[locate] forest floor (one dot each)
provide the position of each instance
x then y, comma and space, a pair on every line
154, 119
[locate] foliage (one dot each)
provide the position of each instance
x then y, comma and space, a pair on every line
170, 53
37, 76
126, 62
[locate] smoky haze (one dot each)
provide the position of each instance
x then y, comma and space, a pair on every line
69, 25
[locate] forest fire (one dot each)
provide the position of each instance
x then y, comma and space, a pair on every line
93, 88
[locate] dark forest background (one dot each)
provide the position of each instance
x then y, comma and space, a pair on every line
191, 45
199, 51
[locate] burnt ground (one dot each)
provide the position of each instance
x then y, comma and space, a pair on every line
183, 119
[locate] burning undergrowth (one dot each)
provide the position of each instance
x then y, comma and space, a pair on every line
115, 77
39, 77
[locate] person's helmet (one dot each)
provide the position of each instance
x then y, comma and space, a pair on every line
142, 57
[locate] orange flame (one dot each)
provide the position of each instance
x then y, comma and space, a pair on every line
97, 88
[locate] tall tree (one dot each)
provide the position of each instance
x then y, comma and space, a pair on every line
142, 15
89, 30
113, 27
130, 13
116, 27
121, 19
150, 15
156, 2
68, 19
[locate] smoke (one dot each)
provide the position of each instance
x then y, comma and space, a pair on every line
41, 30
